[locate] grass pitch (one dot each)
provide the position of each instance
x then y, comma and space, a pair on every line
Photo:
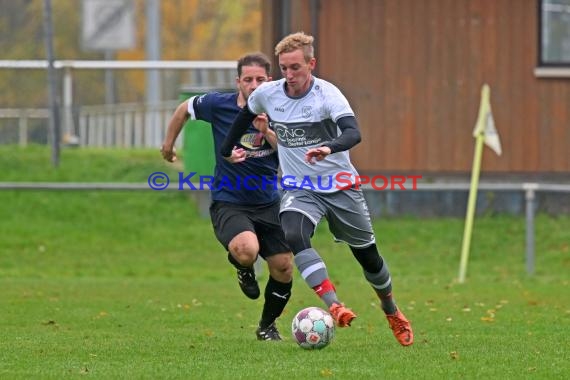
134, 285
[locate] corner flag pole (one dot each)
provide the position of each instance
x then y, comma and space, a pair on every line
479, 134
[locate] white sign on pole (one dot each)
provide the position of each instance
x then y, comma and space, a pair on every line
108, 25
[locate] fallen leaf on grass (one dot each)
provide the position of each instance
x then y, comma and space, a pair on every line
326, 372
102, 314
454, 355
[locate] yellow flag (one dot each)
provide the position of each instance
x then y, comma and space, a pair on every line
484, 133
486, 124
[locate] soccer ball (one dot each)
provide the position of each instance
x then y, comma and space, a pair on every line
313, 328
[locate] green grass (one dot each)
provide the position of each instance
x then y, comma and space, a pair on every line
114, 285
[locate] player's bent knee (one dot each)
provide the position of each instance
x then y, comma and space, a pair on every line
281, 267
244, 247
245, 255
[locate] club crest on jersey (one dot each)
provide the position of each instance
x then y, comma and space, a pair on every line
307, 111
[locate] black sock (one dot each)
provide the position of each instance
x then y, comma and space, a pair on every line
388, 304
277, 295
377, 273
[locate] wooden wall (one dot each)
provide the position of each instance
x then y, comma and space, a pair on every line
413, 71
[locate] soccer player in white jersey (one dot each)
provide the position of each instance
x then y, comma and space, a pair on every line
314, 127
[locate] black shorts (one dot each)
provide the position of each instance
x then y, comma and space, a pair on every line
229, 220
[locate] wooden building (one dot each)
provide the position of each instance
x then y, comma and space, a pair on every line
413, 72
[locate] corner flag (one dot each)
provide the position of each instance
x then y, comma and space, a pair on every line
491, 137
484, 133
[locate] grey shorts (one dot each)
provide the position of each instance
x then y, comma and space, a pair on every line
346, 212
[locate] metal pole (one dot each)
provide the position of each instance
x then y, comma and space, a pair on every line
153, 86
109, 79
52, 89
530, 189
68, 129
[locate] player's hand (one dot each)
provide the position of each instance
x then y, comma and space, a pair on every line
261, 123
168, 152
238, 155
317, 153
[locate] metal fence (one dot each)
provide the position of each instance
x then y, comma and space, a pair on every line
109, 125
122, 125
117, 125
202, 198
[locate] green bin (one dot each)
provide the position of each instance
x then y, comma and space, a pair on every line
198, 142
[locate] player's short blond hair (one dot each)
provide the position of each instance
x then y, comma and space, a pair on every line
295, 41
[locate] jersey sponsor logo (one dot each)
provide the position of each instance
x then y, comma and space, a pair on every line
285, 133
256, 145
252, 141
259, 153
279, 109
294, 135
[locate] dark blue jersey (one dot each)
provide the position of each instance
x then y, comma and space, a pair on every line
253, 181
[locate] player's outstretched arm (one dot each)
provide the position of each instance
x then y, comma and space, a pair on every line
175, 125
349, 137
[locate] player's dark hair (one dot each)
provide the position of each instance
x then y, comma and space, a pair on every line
254, 59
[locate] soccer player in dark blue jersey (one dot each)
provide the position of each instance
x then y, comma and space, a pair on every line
245, 204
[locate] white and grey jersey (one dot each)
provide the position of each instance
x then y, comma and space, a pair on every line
306, 122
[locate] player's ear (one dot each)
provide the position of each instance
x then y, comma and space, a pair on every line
269, 79
312, 63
